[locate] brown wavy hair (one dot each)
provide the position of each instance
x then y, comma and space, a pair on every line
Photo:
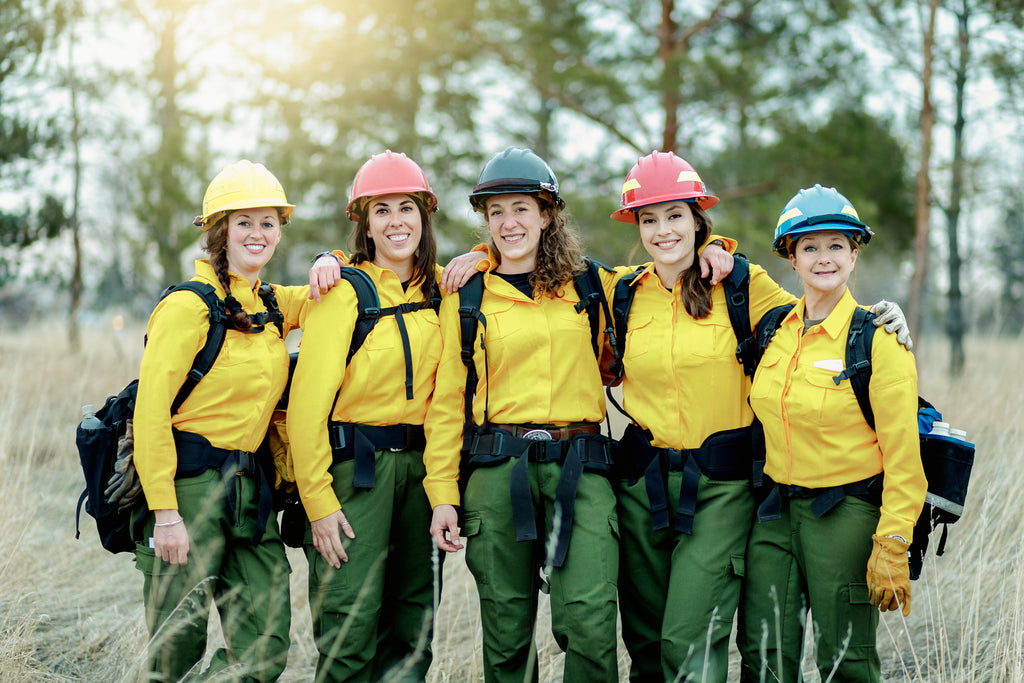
425, 261
559, 254
215, 243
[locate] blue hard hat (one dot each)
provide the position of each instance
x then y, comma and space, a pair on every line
816, 209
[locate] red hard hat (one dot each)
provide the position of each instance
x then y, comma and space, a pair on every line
388, 173
661, 177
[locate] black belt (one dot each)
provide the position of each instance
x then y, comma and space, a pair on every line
724, 456
826, 498
584, 452
359, 442
196, 455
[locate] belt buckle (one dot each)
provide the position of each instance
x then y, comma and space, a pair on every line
538, 435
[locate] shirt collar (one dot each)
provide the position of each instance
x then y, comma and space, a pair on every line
835, 325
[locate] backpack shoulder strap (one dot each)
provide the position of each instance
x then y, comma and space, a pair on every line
368, 304
622, 301
737, 300
470, 296
273, 314
435, 298
591, 293
766, 328
214, 337
858, 360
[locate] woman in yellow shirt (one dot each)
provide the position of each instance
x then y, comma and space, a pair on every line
847, 495
536, 417
356, 432
684, 500
211, 534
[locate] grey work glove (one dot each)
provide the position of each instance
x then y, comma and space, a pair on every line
124, 487
890, 314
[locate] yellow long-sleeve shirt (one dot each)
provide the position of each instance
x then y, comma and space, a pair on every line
372, 386
232, 404
815, 433
682, 380
540, 369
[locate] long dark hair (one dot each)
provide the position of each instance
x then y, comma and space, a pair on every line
696, 291
425, 260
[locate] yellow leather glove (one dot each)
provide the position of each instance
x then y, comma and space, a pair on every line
889, 574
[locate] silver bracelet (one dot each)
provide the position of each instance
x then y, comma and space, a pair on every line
177, 521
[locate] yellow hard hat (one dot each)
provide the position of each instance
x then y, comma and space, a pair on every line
242, 185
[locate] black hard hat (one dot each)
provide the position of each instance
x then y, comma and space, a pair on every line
515, 171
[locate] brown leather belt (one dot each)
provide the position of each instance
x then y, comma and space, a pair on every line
550, 432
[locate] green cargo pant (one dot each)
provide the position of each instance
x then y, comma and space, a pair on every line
508, 575
373, 618
249, 583
800, 562
678, 593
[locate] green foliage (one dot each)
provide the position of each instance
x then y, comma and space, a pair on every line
853, 152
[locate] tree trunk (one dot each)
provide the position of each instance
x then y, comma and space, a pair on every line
669, 80
922, 203
954, 316
74, 336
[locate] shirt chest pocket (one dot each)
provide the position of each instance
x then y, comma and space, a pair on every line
501, 320
769, 379
705, 339
241, 347
829, 400
638, 336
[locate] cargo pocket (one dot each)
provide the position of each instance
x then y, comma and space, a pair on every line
480, 561
863, 619
611, 561
738, 563
323, 578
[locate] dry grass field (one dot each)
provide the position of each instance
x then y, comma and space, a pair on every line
69, 611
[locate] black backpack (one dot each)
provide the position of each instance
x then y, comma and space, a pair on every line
947, 461
592, 300
737, 299
97, 437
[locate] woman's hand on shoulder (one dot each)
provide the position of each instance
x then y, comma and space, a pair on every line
716, 262
459, 270
324, 274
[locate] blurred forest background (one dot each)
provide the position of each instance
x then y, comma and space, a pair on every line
115, 114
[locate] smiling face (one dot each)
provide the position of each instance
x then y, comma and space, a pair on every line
253, 235
667, 231
824, 260
515, 222
395, 225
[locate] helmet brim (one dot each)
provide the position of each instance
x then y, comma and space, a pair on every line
208, 222
627, 214
861, 235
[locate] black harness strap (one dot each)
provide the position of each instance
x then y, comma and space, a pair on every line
196, 454
858, 361
770, 507
724, 456
204, 360
350, 441
737, 298
581, 453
